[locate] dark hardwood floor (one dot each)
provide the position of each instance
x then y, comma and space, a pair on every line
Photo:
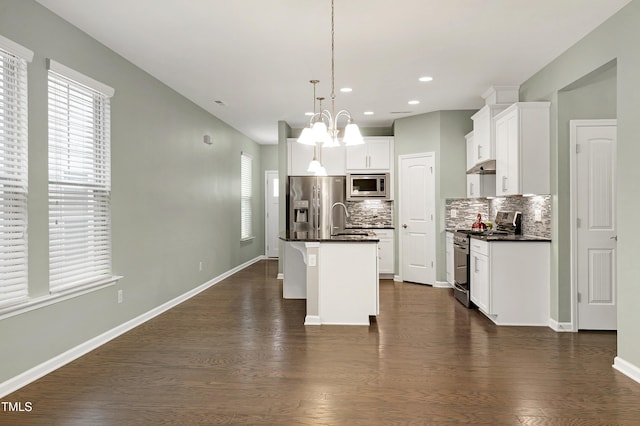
239, 354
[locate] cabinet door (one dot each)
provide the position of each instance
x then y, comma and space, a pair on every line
481, 186
375, 154
386, 256
299, 157
333, 160
482, 265
386, 251
507, 154
471, 158
479, 276
473, 186
357, 157
481, 135
450, 263
502, 156
379, 154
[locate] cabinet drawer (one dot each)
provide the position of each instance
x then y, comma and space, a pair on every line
479, 246
384, 234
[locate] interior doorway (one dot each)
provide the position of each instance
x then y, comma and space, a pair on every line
271, 206
417, 218
594, 228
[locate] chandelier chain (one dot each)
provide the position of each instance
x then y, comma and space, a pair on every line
333, 73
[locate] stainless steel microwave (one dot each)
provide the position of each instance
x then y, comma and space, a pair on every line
362, 186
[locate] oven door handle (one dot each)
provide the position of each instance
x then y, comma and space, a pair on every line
459, 287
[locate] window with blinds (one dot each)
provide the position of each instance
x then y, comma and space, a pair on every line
13, 172
246, 195
79, 180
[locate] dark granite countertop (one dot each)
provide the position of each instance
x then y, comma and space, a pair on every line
360, 237
498, 237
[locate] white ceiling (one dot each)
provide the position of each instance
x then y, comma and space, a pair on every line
257, 56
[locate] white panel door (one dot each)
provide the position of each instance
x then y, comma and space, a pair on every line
417, 210
271, 212
596, 233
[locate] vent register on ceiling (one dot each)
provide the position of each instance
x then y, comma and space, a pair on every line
322, 131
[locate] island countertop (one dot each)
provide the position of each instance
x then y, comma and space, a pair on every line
347, 236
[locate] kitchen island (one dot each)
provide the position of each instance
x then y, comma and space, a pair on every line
338, 276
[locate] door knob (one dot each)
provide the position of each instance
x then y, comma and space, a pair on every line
404, 226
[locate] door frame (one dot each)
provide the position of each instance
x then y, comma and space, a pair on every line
401, 210
573, 127
266, 210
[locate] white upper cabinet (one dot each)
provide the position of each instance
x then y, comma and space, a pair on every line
299, 157
523, 149
483, 146
481, 185
375, 155
471, 158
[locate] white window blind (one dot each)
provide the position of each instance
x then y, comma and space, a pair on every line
13, 172
246, 195
79, 180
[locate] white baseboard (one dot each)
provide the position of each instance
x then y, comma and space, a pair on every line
312, 320
72, 354
626, 368
280, 276
442, 284
561, 327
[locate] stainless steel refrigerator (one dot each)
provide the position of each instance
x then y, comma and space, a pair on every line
309, 206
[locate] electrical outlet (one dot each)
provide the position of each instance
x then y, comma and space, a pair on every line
200, 267
538, 215
312, 260
454, 213
120, 296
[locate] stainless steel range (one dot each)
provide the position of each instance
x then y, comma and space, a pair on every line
506, 222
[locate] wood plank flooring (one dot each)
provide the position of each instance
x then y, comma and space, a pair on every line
239, 354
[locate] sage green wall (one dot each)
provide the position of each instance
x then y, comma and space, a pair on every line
616, 39
175, 200
284, 132
441, 132
592, 97
269, 157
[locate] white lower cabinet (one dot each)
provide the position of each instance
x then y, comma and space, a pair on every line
510, 281
386, 255
449, 252
480, 275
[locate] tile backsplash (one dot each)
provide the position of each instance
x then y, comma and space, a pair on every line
369, 213
468, 208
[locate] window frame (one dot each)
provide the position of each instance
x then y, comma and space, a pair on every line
14, 188
79, 182
246, 197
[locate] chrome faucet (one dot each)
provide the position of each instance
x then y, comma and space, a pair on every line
346, 213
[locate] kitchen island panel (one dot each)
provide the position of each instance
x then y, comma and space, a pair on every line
348, 277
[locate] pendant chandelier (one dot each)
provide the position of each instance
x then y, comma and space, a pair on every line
323, 126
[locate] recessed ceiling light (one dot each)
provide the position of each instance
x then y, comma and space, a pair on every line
368, 113
346, 89
425, 78
414, 102
308, 114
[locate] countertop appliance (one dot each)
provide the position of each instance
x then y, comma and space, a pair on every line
363, 186
506, 222
309, 206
